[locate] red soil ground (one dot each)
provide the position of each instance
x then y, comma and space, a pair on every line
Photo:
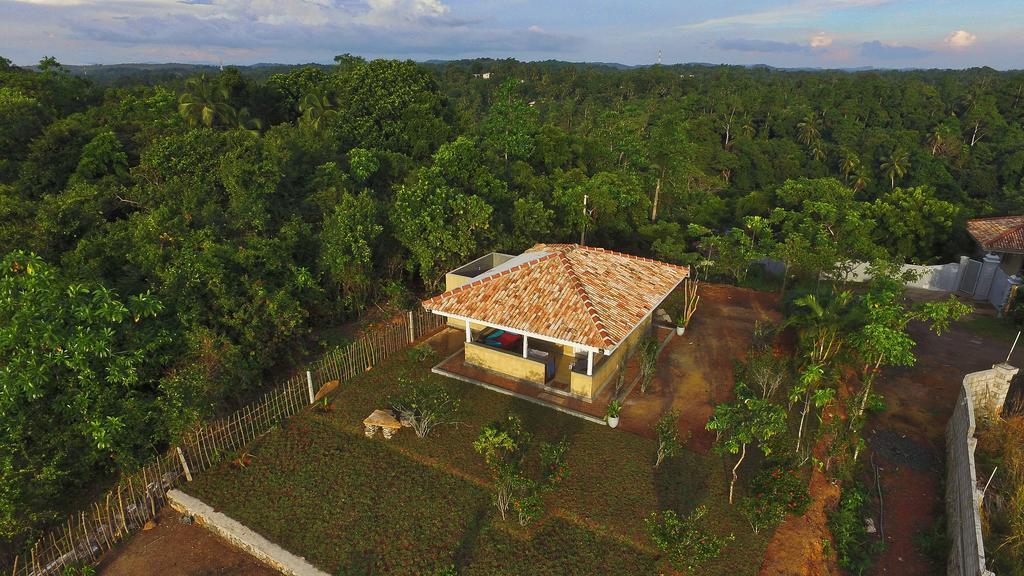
919, 402
177, 549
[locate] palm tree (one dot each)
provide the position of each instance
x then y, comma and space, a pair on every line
818, 150
242, 119
316, 106
849, 163
810, 128
822, 326
861, 179
203, 102
896, 165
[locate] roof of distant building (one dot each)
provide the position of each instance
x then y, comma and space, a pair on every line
998, 234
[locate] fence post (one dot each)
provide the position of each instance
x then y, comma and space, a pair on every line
184, 464
412, 328
309, 383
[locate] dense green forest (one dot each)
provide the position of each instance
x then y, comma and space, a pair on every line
169, 243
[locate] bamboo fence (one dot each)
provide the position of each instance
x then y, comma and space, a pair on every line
137, 497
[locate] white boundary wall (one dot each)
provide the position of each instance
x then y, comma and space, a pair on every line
981, 395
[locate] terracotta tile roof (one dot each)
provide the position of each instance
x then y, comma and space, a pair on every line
999, 234
579, 294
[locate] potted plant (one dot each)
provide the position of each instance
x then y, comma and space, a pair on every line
611, 414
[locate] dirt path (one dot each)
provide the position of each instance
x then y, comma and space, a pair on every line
908, 438
796, 548
177, 549
696, 369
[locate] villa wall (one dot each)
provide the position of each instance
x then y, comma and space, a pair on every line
981, 398
606, 371
506, 363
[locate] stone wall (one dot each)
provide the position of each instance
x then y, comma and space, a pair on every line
981, 397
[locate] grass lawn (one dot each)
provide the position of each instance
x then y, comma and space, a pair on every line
987, 326
356, 506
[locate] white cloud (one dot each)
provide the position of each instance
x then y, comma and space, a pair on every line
404, 11
961, 39
821, 40
798, 11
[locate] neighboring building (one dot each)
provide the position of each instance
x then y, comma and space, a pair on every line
561, 317
1001, 235
996, 276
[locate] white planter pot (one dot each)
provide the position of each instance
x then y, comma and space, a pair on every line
680, 330
613, 421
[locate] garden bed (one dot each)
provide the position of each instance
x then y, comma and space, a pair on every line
350, 505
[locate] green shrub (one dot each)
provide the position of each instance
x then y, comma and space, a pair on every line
425, 405
777, 490
855, 550
685, 543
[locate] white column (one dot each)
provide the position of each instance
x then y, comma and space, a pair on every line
469, 332
526, 344
590, 362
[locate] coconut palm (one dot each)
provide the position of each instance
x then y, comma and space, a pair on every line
204, 102
810, 128
848, 164
861, 179
241, 119
315, 107
896, 165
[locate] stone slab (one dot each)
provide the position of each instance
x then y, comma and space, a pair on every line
382, 418
241, 536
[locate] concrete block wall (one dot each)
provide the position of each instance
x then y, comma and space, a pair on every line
982, 395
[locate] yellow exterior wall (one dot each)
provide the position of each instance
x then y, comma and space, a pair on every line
512, 365
607, 370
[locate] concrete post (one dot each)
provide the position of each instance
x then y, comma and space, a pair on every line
988, 272
412, 329
309, 383
960, 271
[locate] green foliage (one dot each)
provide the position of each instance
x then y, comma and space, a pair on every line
686, 543
779, 489
667, 431
648, 357
425, 405
504, 446
75, 385
855, 549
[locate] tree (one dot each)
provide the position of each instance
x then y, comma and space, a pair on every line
688, 546
895, 165
510, 124
204, 102
912, 222
504, 446
424, 405
76, 381
822, 327
745, 421
314, 107
439, 224
667, 430
810, 128
882, 339
347, 240
648, 362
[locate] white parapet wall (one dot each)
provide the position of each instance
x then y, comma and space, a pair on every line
242, 536
981, 397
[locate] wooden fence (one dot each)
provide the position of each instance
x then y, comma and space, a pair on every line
137, 497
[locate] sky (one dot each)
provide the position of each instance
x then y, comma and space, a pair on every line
785, 33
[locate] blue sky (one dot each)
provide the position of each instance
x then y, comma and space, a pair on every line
820, 33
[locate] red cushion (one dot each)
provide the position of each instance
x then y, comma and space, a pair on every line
507, 339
